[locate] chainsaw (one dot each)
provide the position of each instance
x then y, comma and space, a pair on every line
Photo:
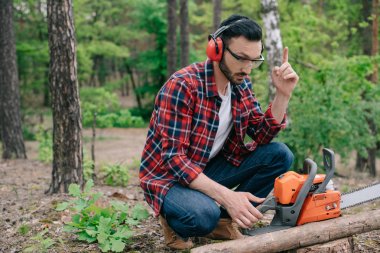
308, 197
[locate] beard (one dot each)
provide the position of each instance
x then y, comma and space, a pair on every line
234, 78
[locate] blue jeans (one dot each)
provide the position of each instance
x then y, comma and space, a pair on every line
191, 213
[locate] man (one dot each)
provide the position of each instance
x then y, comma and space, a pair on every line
195, 152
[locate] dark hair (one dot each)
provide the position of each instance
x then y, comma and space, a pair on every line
244, 27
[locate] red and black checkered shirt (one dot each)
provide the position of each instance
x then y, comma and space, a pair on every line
183, 128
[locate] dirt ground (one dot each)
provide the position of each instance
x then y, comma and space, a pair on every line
23, 202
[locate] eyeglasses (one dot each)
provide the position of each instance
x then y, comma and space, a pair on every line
254, 63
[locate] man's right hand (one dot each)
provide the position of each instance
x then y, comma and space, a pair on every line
240, 208
237, 204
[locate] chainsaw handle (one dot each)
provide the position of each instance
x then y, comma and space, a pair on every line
329, 164
288, 215
310, 166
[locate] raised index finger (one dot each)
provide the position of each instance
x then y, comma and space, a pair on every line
285, 55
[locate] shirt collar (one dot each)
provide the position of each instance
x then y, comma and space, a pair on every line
211, 89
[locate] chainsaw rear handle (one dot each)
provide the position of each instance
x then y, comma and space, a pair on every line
288, 215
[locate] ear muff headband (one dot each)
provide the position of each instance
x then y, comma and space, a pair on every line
215, 45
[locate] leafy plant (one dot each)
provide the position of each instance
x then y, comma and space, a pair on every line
41, 242
45, 145
115, 175
107, 108
110, 226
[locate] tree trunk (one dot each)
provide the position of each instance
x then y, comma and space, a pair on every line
273, 41
301, 236
67, 125
171, 37
10, 116
134, 86
370, 47
217, 13
184, 20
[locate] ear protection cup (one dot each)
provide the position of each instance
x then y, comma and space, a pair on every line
215, 45
215, 48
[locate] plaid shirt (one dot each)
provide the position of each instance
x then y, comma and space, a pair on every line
183, 128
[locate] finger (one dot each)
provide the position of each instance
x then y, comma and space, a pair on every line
240, 223
287, 71
285, 55
255, 199
258, 215
291, 76
275, 71
248, 218
284, 67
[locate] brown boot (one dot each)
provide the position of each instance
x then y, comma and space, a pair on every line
225, 230
172, 240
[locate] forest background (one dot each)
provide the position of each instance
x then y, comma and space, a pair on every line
122, 56
125, 51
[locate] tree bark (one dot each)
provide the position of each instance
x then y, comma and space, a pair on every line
273, 41
171, 37
217, 13
301, 236
10, 116
184, 26
67, 124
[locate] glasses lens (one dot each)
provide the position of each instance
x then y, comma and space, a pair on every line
256, 64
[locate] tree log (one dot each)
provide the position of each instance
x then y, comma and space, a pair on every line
301, 236
342, 245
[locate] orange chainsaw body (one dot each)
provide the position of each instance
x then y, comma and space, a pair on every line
319, 207
316, 207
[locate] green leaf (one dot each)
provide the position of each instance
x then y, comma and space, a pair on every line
139, 212
68, 228
84, 236
102, 237
105, 247
91, 232
75, 218
88, 186
62, 206
74, 190
80, 205
123, 233
117, 245
47, 243
119, 206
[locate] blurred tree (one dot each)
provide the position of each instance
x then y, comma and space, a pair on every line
10, 117
67, 125
273, 41
172, 37
217, 10
184, 25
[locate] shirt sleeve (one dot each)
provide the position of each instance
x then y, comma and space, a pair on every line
174, 120
263, 127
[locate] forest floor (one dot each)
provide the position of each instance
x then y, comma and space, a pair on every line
26, 210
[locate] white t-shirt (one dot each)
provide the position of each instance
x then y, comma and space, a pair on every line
225, 122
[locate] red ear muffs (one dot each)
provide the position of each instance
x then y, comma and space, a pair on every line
214, 48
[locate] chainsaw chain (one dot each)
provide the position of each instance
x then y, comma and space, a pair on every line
359, 189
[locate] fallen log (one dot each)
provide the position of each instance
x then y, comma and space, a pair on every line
300, 236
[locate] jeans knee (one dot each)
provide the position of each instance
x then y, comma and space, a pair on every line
285, 155
206, 219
